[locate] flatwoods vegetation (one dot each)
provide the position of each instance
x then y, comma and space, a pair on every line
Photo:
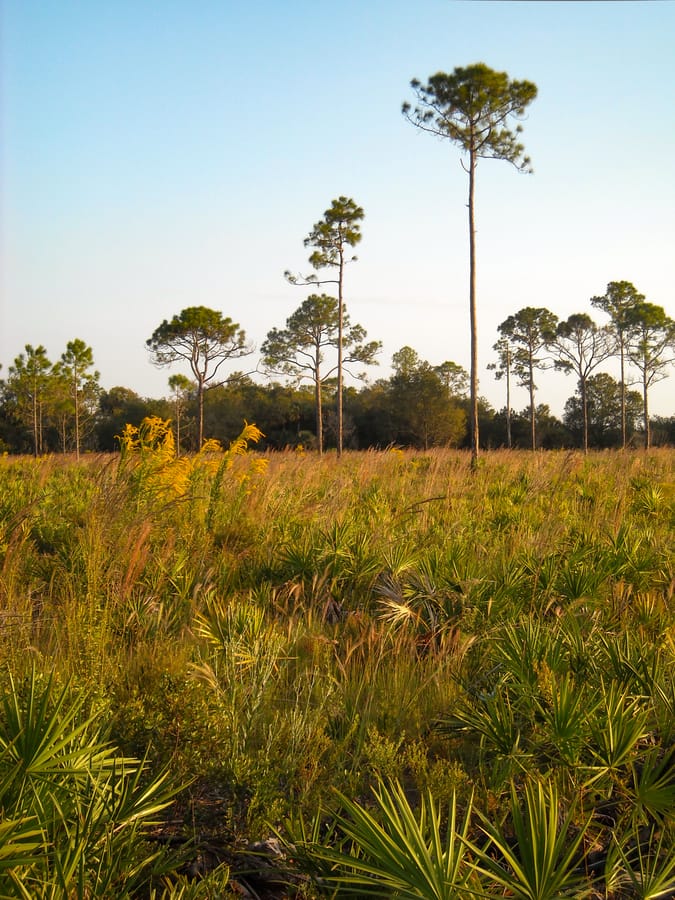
423, 681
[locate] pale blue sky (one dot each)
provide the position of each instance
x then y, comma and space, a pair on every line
157, 155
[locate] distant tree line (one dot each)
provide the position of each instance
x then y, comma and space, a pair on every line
639, 333
50, 407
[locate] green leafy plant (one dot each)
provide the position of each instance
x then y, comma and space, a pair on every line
620, 724
648, 864
77, 813
536, 856
397, 851
564, 719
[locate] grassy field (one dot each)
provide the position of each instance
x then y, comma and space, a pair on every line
418, 681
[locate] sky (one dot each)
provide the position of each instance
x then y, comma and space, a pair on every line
155, 156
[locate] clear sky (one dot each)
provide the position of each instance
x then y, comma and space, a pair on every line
158, 155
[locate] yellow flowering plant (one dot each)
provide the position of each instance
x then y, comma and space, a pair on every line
150, 447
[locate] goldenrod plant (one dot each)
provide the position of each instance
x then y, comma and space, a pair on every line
161, 471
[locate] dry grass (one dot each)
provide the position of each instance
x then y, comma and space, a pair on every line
355, 604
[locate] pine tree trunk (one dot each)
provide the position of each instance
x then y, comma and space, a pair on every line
318, 406
77, 418
475, 438
339, 363
533, 418
584, 404
648, 437
35, 422
200, 394
623, 396
508, 400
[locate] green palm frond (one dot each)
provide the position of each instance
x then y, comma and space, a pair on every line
620, 724
540, 862
648, 864
653, 784
397, 852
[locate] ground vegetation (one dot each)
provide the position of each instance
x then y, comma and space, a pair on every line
238, 673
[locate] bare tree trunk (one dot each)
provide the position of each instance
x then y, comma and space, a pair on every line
648, 436
200, 396
177, 427
318, 406
475, 438
35, 423
339, 363
623, 395
584, 404
533, 418
77, 417
508, 398
40, 429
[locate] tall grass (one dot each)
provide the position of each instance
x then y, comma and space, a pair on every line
269, 635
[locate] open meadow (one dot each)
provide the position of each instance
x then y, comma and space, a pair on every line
387, 674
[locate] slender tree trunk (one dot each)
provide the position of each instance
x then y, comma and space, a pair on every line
339, 363
623, 394
508, 398
200, 398
177, 427
35, 422
77, 417
318, 406
533, 419
475, 438
584, 405
648, 437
